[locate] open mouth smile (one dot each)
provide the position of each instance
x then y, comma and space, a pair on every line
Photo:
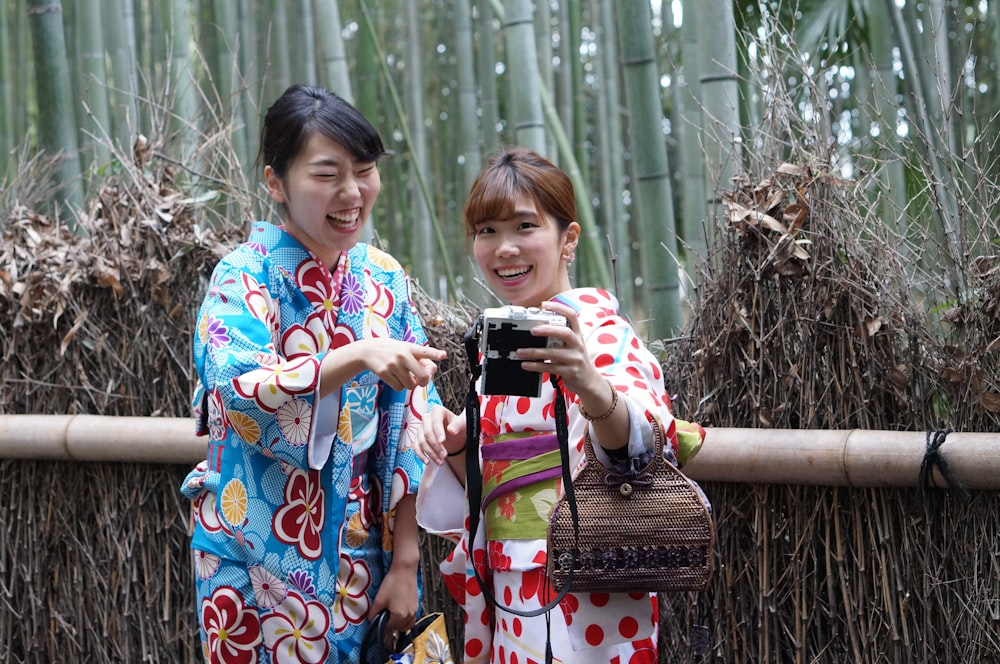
346, 219
512, 273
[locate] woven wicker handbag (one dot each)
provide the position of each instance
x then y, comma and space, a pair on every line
642, 530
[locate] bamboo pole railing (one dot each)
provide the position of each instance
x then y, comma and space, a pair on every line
853, 458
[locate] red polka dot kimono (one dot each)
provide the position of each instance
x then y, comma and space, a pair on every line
510, 546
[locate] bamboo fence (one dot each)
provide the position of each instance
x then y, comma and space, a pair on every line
830, 548
860, 459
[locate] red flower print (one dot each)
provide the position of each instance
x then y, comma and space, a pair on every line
479, 560
300, 519
258, 301
308, 339
533, 583
645, 652
570, 605
379, 304
232, 628
506, 506
296, 631
499, 561
271, 386
493, 471
351, 604
204, 511
455, 583
317, 285
342, 336
381, 300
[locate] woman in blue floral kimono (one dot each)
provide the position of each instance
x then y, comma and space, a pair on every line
314, 374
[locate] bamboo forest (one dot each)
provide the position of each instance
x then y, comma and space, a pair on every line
653, 107
794, 201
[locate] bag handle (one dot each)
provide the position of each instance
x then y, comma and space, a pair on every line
474, 476
658, 442
374, 648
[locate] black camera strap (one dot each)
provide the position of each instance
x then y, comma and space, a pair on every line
474, 477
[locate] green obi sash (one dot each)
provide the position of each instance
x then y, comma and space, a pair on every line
521, 472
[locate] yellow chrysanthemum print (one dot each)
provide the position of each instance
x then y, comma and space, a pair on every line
245, 426
356, 533
233, 502
203, 329
344, 431
382, 259
390, 517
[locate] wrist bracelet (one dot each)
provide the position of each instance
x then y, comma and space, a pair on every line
458, 451
607, 414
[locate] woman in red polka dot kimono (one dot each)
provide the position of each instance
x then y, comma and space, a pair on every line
521, 216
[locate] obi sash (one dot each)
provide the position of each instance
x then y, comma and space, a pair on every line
521, 477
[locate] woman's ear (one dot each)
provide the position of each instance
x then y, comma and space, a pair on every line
275, 185
571, 237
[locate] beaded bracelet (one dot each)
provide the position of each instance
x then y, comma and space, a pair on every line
607, 414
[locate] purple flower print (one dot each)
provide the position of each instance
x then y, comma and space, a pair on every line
352, 295
218, 334
303, 582
408, 334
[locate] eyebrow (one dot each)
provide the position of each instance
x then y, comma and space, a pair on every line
522, 214
325, 161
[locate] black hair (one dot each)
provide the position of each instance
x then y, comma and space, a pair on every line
303, 110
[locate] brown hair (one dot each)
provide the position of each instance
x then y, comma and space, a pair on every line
517, 171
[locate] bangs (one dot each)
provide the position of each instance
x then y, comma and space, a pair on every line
490, 201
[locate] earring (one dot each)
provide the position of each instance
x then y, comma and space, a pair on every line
570, 257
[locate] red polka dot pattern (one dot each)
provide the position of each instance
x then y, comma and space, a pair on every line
594, 618
595, 635
628, 627
599, 599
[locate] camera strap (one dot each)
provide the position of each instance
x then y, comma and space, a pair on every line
474, 477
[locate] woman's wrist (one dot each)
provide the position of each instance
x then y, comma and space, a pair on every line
605, 414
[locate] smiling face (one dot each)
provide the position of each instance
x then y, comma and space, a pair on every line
523, 257
327, 195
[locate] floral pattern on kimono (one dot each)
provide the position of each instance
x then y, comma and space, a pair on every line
293, 508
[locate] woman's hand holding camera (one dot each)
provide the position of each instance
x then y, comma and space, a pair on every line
570, 360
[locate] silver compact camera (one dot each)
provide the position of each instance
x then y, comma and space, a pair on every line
504, 330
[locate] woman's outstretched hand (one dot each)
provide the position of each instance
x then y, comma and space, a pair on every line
399, 364
441, 434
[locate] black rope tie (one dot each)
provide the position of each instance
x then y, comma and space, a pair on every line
933, 458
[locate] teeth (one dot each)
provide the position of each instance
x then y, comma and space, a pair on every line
512, 272
345, 218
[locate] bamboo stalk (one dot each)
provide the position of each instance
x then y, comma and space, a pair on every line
852, 458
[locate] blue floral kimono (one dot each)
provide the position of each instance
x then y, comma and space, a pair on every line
293, 508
